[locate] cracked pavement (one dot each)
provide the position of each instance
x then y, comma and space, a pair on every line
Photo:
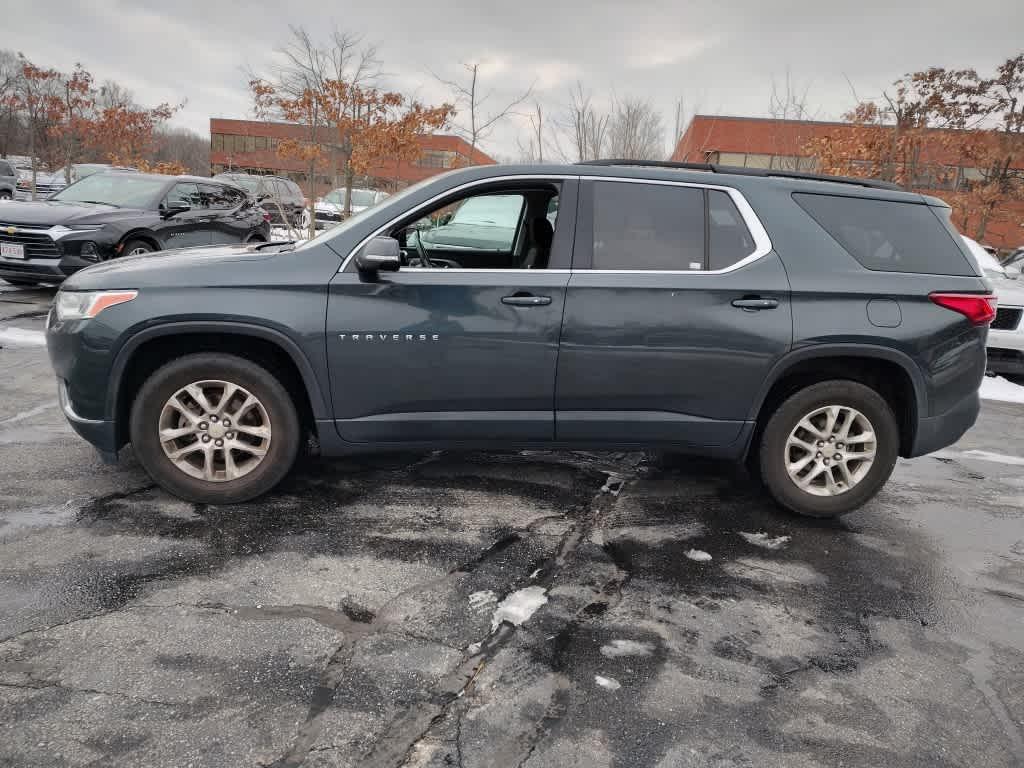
346, 619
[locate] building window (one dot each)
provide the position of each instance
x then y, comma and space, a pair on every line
435, 158
261, 142
217, 142
274, 141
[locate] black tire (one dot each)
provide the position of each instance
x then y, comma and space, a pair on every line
137, 245
21, 283
772, 453
163, 383
5, 195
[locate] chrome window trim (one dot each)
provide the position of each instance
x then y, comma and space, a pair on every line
762, 242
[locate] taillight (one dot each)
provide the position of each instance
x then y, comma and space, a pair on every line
266, 216
980, 309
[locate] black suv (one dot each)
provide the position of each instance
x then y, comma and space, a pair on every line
281, 198
112, 214
816, 328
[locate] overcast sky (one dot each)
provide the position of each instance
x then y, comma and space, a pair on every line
719, 57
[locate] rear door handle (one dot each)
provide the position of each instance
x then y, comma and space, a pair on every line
526, 300
755, 302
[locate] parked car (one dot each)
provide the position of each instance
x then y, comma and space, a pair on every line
80, 171
330, 209
1005, 343
816, 328
46, 183
1014, 263
276, 194
8, 180
107, 215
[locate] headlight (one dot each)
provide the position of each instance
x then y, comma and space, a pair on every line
89, 250
79, 305
59, 230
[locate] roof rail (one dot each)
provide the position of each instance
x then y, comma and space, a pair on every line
737, 171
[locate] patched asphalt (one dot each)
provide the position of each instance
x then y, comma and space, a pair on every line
347, 619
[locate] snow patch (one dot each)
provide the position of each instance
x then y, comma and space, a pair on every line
657, 534
535, 574
613, 484
998, 388
474, 648
519, 606
765, 541
699, 555
18, 337
480, 600
607, 682
626, 648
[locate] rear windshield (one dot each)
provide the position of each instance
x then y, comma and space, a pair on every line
888, 236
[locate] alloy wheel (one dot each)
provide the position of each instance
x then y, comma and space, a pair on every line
214, 430
830, 450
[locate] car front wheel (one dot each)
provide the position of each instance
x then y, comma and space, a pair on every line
829, 448
214, 428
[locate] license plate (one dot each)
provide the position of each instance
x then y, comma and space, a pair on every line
12, 250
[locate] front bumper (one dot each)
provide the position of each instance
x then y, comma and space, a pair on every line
1005, 349
43, 270
100, 433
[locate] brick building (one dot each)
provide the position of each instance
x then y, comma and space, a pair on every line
251, 146
754, 142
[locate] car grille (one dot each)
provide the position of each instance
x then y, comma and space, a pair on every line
1007, 319
38, 245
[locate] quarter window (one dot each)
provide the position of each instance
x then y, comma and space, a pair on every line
648, 226
729, 240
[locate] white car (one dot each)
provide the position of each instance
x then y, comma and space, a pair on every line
1006, 333
330, 209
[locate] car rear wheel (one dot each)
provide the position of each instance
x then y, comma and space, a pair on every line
5, 195
214, 428
829, 448
136, 248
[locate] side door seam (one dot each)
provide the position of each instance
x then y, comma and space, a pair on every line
565, 302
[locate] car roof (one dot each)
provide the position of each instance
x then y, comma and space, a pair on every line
703, 174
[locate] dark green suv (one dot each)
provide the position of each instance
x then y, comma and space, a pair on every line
817, 328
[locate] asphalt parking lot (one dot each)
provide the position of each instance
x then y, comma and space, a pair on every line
656, 612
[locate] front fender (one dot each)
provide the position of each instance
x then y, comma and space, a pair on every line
117, 373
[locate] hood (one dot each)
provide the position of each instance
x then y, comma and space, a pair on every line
210, 265
47, 213
1009, 293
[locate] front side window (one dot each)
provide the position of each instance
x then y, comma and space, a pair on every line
648, 226
185, 193
482, 223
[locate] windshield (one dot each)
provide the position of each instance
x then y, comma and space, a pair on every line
248, 183
337, 197
393, 201
121, 189
362, 197
490, 210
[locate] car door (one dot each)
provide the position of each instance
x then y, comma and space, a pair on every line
449, 354
229, 219
188, 228
676, 311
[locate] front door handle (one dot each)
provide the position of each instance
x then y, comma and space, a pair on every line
755, 302
526, 300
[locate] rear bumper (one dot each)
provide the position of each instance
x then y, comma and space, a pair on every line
945, 429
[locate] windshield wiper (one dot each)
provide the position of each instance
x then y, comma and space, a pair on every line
98, 202
261, 246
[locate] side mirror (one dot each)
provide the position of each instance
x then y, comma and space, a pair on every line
173, 209
263, 196
380, 254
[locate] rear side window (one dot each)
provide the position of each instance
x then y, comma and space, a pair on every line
888, 236
648, 226
5, 169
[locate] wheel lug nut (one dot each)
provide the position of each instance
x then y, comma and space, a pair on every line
817, 455
213, 418
826, 462
203, 425
821, 443
839, 446
206, 438
837, 457
219, 443
226, 422
230, 435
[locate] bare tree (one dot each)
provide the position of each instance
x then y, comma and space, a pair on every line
586, 125
533, 151
468, 99
310, 71
184, 147
635, 130
10, 126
